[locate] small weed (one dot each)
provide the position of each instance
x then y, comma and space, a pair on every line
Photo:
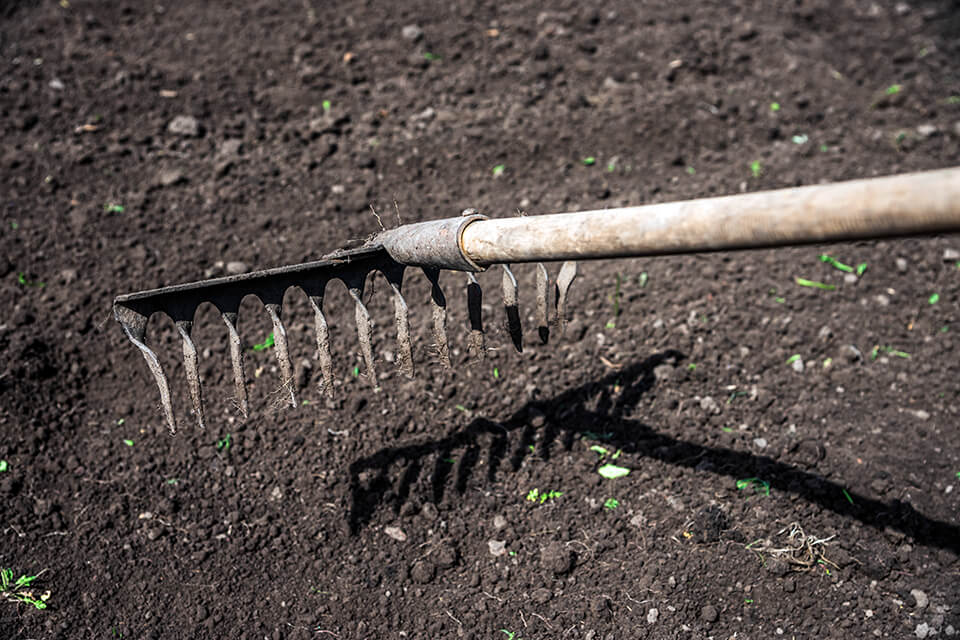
878, 349
953, 100
14, 225
432, 57
691, 171
22, 279
17, 590
615, 298
589, 161
824, 148
450, 460
934, 299
266, 344
756, 169
510, 634
735, 395
496, 373
827, 362
758, 485
748, 601
590, 435
643, 279
535, 495
944, 328
128, 442
600, 450
3, 466
800, 138
611, 504
113, 208
326, 106
223, 444
611, 166
861, 268
893, 89
774, 106
846, 495
356, 372
692, 367
173, 481
793, 358
833, 262
803, 282
612, 471
498, 170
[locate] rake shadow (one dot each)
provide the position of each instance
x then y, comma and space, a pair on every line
590, 408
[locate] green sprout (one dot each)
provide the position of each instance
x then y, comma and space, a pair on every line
612, 471
128, 442
611, 504
496, 373
803, 282
326, 106
535, 495
3, 466
800, 138
17, 590
824, 148
691, 171
600, 450
113, 208
590, 435
431, 56
748, 601
266, 344
356, 372
945, 328
611, 166
692, 367
846, 495
893, 89
758, 485
934, 299
756, 169
14, 225
450, 460
642, 280
827, 362
223, 444
615, 297
877, 349
833, 262
793, 358
498, 170
774, 106
953, 100
510, 634
589, 161
173, 481
22, 279
861, 268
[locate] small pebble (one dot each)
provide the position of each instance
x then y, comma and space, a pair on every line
497, 547
499, 522
556, 558
56, 84
927, 130
411, 32
236, 267
652, 616
901, 265
186, 126
949, 255
761, 443
396, 533
709, 613
920, 597
922, 630
797, 365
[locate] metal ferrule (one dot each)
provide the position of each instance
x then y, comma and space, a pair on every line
437, 243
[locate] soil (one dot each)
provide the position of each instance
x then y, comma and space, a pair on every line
793, 452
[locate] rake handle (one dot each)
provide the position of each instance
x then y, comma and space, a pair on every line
902, 205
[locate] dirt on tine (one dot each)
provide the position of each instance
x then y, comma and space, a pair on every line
784, 427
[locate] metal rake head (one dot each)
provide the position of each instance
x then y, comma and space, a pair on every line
351, 268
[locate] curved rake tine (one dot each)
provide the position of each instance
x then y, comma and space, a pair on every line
364, 328
439, 303
404, 350
135, 333
283, 354
568, 273
510, 292
236, 359
478, 347
543, 325
323, 344
190, 363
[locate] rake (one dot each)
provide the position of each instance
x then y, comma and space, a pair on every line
904, 205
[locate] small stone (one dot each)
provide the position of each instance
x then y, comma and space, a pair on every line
652, 616
850, 278
797, 365
231, 147
445, 555
825, 333
499, 522
411, 32
901, 8
709, 405
901, 265
236, 267
777, 567
186, 126
927, 130
497, 547
396, 533
882, 300
541, 596
276, 494
56, 84
920, 597
922, 630
949, 630
423, 572
556, 558
709, 613
919, 414
663, 372
761, 443
851, 354
170, 177
429, 511
949, 255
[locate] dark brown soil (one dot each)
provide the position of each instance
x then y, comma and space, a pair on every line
376, 515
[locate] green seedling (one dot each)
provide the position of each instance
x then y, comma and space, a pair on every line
128, 442
600, 450
616, 454
934, 299
432, 57
18, 590
756, 169
691, 171
113, 208
510, 634
612, 471
758, 485
953, 100
223, 444
827, 362
735, 395
846, 495
803, 282
173, 481
774, 106
893, 89
326, 106
498, 170
833, 262
3, 466
611, 166
726, 429
793, 358
304, 403
496, 373
120, 422
450, 460
944, 328
356, 372
748, 601
611, 504
692, 367
861, 268
14, 225
535, 495
878, 349
22, 279
590, 435
266, 344
589, 161
800, 138
824, 148
642, 280
615, 297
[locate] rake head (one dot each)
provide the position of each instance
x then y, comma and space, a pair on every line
351, 268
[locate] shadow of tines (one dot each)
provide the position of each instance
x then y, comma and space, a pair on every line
602, 406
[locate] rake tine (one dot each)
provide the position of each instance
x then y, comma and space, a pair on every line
568, 273
280, 346
236, 358
478, 348
364, 327
543, 326
323, 344
404, 351
510, 293
184, 327
439, 303
135, 333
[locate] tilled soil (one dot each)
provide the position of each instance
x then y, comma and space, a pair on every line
793, 452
